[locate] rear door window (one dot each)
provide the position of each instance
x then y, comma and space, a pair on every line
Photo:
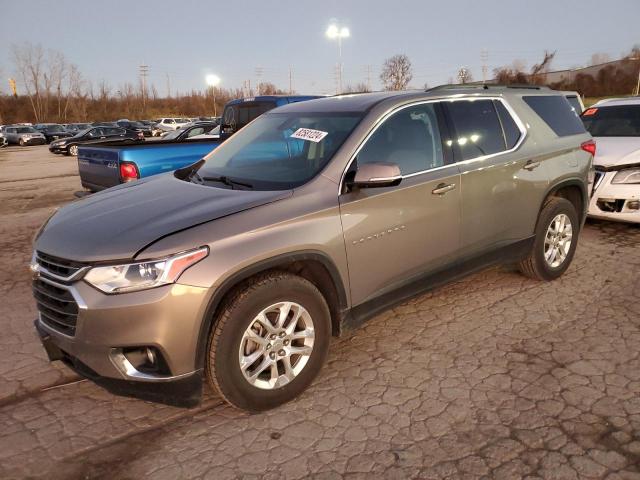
477, 129
557, 113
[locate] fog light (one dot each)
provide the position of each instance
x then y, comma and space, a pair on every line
633, 204
146, 360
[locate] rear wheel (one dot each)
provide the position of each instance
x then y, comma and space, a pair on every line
73, 150
555, 241
269, 342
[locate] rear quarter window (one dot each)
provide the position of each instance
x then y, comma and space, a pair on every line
557, 113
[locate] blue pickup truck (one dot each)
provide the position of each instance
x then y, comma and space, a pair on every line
104, 166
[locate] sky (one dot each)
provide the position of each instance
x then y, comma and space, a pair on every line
184, 40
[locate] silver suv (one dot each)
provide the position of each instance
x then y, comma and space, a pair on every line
313, 218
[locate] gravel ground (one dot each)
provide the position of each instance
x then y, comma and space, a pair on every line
494, 376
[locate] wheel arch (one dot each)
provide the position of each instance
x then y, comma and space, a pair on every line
573, 190
312, 265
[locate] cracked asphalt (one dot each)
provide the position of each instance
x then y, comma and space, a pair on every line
494, 376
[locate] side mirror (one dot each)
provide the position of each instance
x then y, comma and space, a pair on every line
372, 175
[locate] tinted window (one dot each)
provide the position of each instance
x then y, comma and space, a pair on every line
477, 129
511, 131
409, 138
614, 121
251, 111
557, 113
575, 103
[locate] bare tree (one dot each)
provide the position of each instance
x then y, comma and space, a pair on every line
29, 63
464, 75
539, 69
396, 72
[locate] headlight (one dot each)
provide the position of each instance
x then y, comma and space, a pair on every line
143, 275
628, 175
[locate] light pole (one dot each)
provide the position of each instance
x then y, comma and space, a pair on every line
213, 81
337, 32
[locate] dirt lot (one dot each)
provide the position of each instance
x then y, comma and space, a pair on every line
495, 376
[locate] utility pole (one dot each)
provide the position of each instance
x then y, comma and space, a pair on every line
144, 72
290, 80
259, 71
484, 56
369, 77
168, 86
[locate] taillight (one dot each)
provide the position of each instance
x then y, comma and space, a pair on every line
589, 147
128, 172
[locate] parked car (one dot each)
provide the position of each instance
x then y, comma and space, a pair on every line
3, 141
168, 124
615, 125
137, 126
104, 166
240, 267
194, 130
94, 135
76, 127
53, 131
23, 136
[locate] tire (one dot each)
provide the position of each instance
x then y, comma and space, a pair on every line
536, 265
73, 150
21, 142
228, 341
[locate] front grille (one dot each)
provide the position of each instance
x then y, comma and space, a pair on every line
58, 309
57, 267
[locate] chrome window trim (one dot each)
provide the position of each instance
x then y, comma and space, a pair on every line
392, 111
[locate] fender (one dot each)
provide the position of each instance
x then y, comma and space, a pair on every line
261, 266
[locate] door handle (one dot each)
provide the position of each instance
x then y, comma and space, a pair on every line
443, 188
531, 165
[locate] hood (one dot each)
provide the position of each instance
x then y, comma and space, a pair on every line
617, 151
117, 223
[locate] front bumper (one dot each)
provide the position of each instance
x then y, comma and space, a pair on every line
166, 318
34, 141
57, 149
618, 202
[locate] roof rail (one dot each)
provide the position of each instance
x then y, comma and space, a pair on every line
485, 86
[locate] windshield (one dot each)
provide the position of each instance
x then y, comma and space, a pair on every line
55, 128
613, 121
280, 151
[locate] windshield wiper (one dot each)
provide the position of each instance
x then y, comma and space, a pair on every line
226, 180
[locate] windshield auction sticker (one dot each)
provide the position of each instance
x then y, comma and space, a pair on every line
309, 134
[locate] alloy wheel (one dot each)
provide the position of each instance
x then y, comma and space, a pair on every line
277, 345
557, 242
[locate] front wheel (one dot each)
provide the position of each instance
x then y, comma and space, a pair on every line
555, 241
73, 150
269, 342
21, 142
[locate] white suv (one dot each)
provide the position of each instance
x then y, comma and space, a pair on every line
168, 124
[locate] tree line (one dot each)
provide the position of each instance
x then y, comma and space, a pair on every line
54, 90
